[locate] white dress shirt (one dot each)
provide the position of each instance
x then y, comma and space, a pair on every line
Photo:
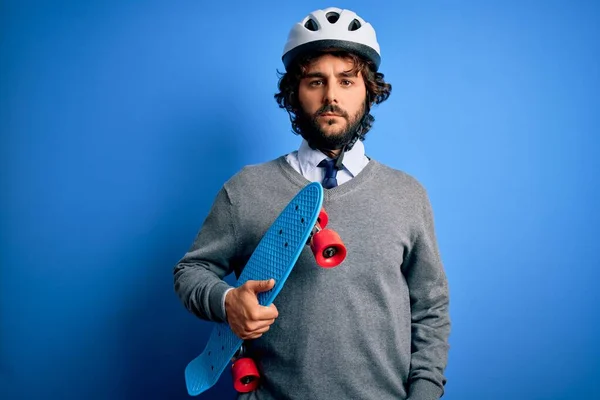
306, 160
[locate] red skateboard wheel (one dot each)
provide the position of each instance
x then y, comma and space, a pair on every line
323, 218
245, 375
328, 248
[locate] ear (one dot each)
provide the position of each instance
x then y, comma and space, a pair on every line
294, 101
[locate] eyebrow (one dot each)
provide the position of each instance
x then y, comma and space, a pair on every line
317, 74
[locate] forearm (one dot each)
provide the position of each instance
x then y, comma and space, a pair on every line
429, 296
423, 389
430, 330
198, 276
201, 291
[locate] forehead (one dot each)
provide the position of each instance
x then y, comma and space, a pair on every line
332, 63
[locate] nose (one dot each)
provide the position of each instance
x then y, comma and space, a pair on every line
330, 95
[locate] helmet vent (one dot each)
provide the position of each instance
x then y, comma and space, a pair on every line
354, 25
311, 25
332, 17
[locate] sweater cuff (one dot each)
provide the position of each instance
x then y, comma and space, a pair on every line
422, 389
224, 309
217, 301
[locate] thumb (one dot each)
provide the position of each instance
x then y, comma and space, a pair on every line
261, 286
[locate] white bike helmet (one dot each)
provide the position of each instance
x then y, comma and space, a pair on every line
332, 28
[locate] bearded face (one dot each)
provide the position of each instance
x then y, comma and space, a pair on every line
332, 102
329, 128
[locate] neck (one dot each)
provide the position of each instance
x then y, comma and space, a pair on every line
331, 153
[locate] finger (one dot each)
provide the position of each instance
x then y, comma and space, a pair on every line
258, 333
262, 330
252, 336
260, 286
269, 312
262, 313
258, 326
274, 310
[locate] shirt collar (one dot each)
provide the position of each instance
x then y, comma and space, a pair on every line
353, 159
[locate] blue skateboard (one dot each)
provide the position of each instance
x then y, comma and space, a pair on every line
302, 222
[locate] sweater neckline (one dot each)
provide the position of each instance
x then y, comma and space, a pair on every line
298, 179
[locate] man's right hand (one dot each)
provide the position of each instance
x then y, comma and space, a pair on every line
246, 317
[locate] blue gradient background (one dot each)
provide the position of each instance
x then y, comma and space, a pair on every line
120, 120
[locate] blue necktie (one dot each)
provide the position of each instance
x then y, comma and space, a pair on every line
330, 172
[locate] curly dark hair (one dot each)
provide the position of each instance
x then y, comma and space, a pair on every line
377, 89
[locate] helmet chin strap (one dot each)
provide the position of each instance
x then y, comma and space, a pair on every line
348, 146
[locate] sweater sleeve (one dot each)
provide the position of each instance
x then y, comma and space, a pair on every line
198, 276
429, 299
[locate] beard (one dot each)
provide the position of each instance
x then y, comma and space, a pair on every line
310, 129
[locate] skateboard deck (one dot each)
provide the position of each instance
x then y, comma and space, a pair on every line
274, 257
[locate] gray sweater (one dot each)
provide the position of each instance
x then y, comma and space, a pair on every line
375, 327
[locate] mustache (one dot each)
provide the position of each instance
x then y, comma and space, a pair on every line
331, 108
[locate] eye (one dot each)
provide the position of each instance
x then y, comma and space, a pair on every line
316, 83
346, 82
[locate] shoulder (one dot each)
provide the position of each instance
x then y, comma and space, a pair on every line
407, 192
254, 177
253, 172
400, 180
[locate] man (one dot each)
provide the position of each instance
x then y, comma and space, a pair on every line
375, 327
